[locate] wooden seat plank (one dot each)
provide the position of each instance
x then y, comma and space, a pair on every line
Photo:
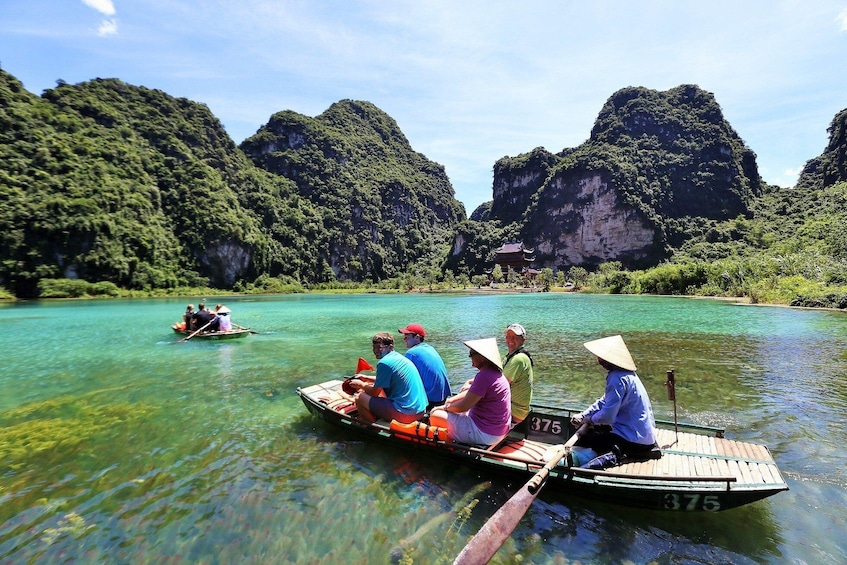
756, 472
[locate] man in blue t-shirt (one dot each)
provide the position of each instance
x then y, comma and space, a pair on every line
429, 364
397, 393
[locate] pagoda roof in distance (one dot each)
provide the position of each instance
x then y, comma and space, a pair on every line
513, 247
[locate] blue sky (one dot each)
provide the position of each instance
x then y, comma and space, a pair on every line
468, 82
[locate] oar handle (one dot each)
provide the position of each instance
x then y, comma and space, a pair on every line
195, 333
538, 480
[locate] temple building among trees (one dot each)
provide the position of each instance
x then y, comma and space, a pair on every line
514, 255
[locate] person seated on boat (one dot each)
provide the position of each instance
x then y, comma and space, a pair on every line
517, 368
429, 363
480, 414
201, 317
214, 322
188, 317
622, 420
224, 321
397, 393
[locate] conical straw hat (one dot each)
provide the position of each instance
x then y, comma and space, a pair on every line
487, 348
613, 350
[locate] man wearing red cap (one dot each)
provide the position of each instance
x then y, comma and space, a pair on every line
429, 364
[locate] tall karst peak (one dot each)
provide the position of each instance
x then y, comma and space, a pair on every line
653, 159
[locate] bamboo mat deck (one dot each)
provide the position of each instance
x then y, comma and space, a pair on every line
695, 455
684, 456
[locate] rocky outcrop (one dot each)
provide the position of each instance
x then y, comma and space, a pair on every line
516, 180
830, 167
586, 223
653, 160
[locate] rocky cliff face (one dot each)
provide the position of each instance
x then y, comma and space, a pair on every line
654, 159
516, 180
831, 166
586, 223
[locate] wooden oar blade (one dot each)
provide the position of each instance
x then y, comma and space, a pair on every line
496, 530
500, 526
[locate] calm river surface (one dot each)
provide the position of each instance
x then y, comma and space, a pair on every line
119, 446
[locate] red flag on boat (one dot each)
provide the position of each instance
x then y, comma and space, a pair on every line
363, 366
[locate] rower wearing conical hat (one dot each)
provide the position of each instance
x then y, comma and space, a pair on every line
622, 420
480, 414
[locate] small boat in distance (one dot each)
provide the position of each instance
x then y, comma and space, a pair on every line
698, 469
236, 333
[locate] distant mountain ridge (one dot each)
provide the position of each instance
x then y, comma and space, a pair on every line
105, 181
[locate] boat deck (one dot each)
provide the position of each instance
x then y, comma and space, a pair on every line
685, 457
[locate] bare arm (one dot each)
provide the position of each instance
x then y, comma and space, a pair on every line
363, 383
462, 402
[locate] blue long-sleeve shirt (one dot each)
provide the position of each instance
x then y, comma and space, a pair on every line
626, 407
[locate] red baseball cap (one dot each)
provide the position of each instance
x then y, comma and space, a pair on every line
413, 329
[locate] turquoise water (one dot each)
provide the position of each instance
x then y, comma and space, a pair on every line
119, 446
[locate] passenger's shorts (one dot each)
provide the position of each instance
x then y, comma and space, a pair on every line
383, 409
461, 428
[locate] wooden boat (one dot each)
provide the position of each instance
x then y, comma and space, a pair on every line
231, 334
699, 469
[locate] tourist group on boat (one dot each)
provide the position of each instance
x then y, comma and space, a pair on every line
204, 319
413, 388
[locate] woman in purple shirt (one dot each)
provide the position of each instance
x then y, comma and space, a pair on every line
481, 414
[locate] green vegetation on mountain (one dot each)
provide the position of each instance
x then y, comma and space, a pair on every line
670, 156
104, 181
791, 247
385, 207
719, 229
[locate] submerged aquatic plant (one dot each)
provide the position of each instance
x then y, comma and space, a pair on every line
38, 429
71, 525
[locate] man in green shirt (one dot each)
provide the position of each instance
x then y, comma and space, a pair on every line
517, 368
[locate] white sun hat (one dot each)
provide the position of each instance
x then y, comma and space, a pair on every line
487, 348
613, 350
517, 329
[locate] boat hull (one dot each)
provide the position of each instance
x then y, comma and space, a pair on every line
215, 336
696, 472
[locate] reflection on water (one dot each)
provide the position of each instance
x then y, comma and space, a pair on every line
117, 445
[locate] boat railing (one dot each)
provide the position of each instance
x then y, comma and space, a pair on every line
601, 473
686, 426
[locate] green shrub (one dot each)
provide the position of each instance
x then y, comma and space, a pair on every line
62, 288
681, 278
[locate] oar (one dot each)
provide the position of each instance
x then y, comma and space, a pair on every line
195, 333
500, 526
243, 328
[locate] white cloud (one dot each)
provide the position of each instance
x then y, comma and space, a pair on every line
108, 27
841, 18
105, 7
